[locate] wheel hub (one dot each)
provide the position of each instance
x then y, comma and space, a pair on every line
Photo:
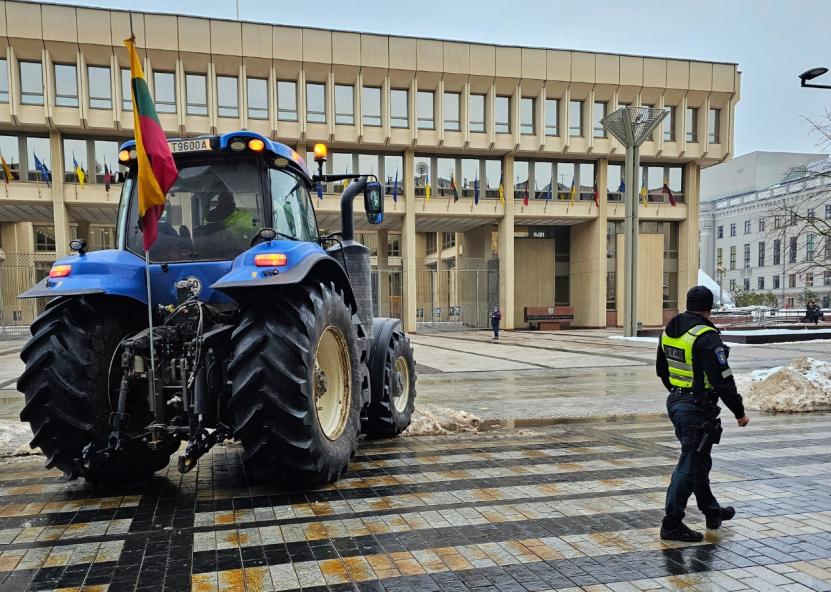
332, 382
400, 384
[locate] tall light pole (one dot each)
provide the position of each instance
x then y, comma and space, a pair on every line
631, 126
720, 273
810, 75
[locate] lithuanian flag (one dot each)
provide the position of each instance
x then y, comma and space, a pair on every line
156, 169
7, 172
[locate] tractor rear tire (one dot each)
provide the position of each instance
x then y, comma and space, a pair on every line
65, 388
392, 414
296, 384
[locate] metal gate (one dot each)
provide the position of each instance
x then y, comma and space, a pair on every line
18, 273
456, 294
387, 291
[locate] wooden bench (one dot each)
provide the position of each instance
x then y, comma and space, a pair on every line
549, 318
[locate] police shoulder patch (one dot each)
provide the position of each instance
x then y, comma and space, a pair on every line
721, 355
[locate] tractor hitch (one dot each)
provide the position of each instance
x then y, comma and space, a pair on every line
201, 441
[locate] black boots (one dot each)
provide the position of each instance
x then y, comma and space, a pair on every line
727, 513
682, 533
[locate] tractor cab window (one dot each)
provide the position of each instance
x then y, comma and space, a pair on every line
211, 213
293, 212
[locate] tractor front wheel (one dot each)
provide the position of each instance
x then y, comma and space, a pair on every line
296, 381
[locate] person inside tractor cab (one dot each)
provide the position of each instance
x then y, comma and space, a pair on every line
226, 212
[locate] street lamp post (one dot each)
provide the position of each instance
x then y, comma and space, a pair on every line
720, 272
631, 126
810, 75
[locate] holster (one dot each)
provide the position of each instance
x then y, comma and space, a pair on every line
709, 434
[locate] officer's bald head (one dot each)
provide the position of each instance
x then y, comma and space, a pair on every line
700, 300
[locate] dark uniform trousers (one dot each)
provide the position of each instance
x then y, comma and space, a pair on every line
692, 474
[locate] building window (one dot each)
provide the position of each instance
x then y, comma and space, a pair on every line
575, 119
720, 232
809, 280
4, 81
526, 116
315, 102
126, 90
761, 253
733, 229
164, 88
809, 247
345, 105
100, 88
827, 248
31, 83
692, 124
476, 113
502, 121
399, 109
286, 100
777, 252
792, 251
747, 226
760, 283
452, 121
714, 126
777, 221
196, 94
552, 117
827, 211
669, 124
719, 257
394, 169
431, 243
393, 245
746, 284
747, 255
44, 238
790, 302
74, 150
733, 257
793, 219
792, 280
227, 93
599, 113
257, 98
66, 85
37, 146
104, 152
776, 282
732, 285
425, 101
448, 240
812, 214
826, 278
761, 224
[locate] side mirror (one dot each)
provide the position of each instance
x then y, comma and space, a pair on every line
374, 202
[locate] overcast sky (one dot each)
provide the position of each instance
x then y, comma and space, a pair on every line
772, 41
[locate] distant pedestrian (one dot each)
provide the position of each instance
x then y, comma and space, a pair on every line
496, 316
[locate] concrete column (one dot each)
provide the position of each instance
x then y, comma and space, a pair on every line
506, 246
408, 246
688, 235
588, 261
384, 305
60, 215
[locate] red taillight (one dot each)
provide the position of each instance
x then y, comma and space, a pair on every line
270, 260
59, 271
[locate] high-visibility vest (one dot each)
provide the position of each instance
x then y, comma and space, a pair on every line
679, 354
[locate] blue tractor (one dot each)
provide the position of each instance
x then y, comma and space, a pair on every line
262, 329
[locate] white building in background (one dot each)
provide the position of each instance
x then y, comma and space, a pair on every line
755, 225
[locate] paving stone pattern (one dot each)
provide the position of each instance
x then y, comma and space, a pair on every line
569, 507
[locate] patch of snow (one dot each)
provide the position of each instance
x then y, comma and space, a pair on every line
803, 385
641, 339
431, 420
14, 439
775, 332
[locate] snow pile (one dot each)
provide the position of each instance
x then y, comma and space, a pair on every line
14, 439
430, 420
802, 385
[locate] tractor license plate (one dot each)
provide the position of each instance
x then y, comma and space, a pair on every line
198, 145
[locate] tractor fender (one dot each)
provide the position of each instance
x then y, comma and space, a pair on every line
112, 272
309, 263
382, 330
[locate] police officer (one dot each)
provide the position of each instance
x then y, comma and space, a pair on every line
692, 364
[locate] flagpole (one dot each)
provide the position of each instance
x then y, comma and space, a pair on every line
152, 376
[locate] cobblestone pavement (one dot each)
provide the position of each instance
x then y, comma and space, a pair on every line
569, 507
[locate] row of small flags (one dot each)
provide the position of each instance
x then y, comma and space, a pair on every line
46, 174
665, 190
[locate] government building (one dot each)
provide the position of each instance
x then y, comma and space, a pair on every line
421, 114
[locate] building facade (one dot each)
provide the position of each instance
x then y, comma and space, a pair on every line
776, 239
419, 113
